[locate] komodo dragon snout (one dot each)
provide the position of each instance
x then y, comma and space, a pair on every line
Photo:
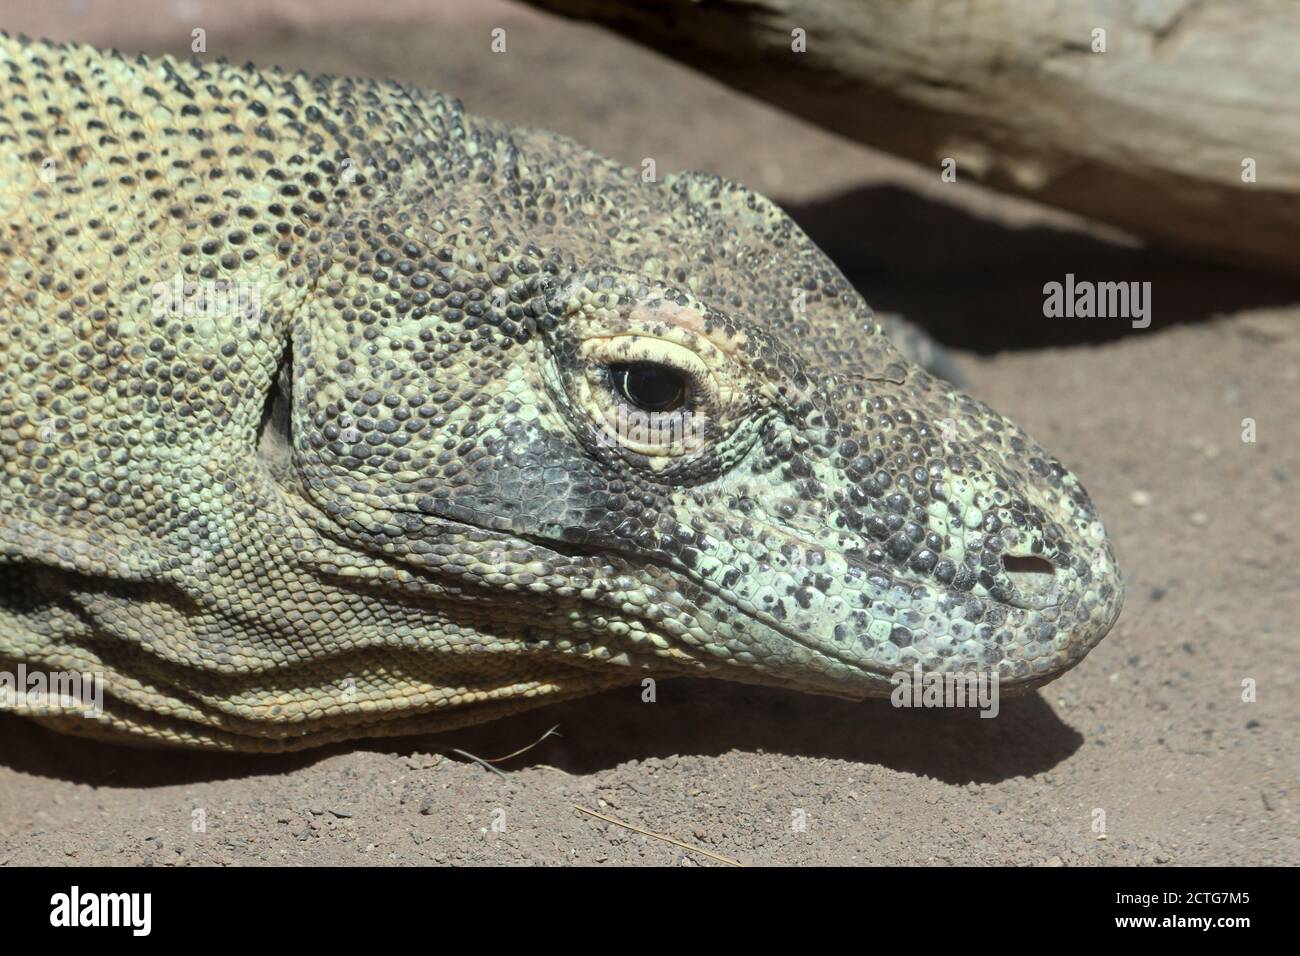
509, 424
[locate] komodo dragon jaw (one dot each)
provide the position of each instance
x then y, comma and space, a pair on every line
503, 423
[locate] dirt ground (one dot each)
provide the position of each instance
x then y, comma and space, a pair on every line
1145, 754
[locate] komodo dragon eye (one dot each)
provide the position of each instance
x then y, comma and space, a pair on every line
649, 386
656, 396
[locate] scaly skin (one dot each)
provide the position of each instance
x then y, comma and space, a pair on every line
405, 490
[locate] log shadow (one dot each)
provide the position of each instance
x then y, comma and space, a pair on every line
977, 284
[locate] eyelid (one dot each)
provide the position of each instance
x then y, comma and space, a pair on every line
629, 349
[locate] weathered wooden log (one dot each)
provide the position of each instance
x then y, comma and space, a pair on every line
1178, 120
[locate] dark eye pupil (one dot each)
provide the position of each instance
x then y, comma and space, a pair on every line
651, 387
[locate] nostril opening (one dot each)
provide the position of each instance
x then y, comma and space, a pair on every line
1029, 572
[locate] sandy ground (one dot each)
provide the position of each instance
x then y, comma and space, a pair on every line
1144, 754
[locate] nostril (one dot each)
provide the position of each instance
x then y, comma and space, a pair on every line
1029, 573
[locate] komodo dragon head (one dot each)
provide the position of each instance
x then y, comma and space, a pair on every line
536, 425
652, 426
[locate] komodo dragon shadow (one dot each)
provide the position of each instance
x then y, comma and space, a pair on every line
692, 717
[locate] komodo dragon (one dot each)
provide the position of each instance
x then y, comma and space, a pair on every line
328, 411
